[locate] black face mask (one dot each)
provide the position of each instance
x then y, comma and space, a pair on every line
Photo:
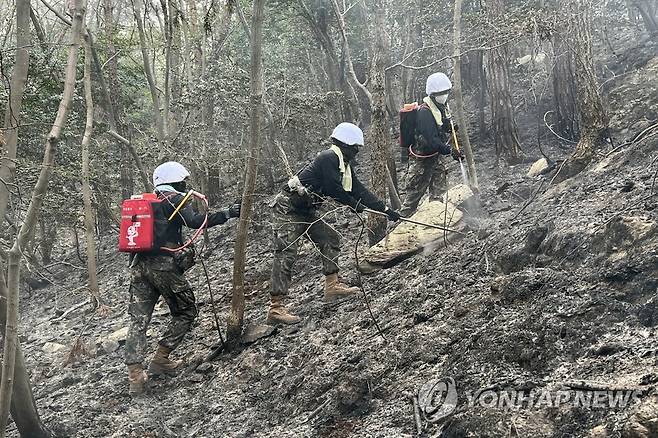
180, 186
349, 152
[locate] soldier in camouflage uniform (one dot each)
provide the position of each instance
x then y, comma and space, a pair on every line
290, 226
426, 169
296, 216
161, 273
152, 277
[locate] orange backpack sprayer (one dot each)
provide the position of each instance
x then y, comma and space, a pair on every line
137, 230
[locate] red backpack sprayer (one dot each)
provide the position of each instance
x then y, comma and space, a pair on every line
137, 232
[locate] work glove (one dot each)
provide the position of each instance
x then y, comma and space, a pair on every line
393, 215
234, 210
456, 154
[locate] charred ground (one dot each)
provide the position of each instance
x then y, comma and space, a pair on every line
553, 284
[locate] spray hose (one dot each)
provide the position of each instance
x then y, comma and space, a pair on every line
403, 219
413, 154
199, 232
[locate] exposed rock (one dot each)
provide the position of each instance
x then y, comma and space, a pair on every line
534, 239
408, 239
204, 368
458, 195
53, 347
119, 335
598, 432
538, 167
254, 332
626, 231
353, 397
195, 378
109, 345
608, 349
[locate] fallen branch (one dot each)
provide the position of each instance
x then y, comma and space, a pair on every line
317, 410
72, 309
528, 202
637, 137
588, 385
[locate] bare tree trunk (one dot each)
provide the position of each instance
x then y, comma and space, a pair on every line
349, 64
38, 30
235, 320
112, 118
379, 127
31, 217
150, 77
459, 98
15, 389
592, 115
86, 187
174, 71
319, 23
23, 406
482, 95
114, 104
504, 127
392, 182
15, 104
564, 89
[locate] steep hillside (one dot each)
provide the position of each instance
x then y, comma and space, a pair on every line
554, 289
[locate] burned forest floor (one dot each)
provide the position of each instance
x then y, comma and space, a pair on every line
553, 289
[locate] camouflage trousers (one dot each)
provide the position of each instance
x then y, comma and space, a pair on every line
290, 225
152, 277
423, 174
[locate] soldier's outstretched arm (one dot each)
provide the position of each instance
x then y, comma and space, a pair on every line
193, 219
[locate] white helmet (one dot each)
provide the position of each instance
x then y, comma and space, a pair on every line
169, 173
348, 133
437, 83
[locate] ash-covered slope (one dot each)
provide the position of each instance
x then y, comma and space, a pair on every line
554, 291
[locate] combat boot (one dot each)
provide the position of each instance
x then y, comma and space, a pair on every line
334, 289
137, 379
161, 364
278, 313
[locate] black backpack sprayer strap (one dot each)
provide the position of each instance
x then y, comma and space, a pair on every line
199, 232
